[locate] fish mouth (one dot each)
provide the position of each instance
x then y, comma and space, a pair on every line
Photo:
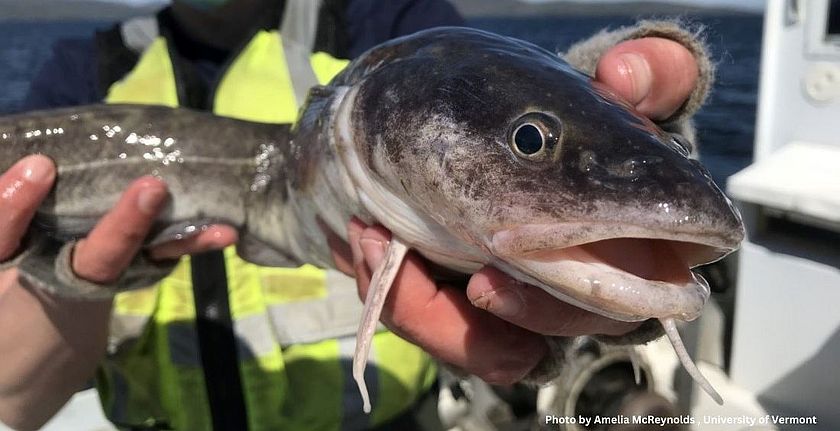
636, 275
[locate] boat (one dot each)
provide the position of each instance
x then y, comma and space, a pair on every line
786, 338
773, 356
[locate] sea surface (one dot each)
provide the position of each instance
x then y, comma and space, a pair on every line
725, 125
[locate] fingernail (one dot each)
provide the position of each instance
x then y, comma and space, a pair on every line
374, 252
151, 199
37, 170
503, 302
637, 69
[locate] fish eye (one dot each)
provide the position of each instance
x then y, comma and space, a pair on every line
534, 136
528, 139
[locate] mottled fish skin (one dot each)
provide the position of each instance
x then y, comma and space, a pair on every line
452, 151
415, 134
430, 118
217, 169
418, 134
425, 130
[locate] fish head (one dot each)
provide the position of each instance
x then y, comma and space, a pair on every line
556, 178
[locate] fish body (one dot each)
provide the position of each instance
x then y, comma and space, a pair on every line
210, 164
472, 148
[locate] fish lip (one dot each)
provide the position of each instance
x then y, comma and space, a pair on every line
522, 240
623, 296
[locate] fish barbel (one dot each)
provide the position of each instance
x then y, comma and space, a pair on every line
473, 149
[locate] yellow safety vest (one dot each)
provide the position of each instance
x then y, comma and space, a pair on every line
296, 326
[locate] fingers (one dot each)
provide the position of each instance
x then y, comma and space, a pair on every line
113, 243
108, 249
656, 75
213, 237
442, 321
22, 188
360, 269
532, 308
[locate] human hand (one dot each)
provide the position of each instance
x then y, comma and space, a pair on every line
104, 254
51, 344
655, 75
496, 330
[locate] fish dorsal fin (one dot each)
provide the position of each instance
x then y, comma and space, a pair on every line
380, 284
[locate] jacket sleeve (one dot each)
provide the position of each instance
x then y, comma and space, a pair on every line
584, 55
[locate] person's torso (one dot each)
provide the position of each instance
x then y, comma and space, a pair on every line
287, 334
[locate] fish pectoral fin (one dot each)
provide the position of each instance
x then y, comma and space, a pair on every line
253, 250
317, 100
380, 284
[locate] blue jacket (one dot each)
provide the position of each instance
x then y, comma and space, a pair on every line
69, 76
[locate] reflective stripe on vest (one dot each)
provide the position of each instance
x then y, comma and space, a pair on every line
295, 325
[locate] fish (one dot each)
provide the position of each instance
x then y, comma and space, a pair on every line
472, 148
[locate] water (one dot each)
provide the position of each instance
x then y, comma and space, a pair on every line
725, 125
